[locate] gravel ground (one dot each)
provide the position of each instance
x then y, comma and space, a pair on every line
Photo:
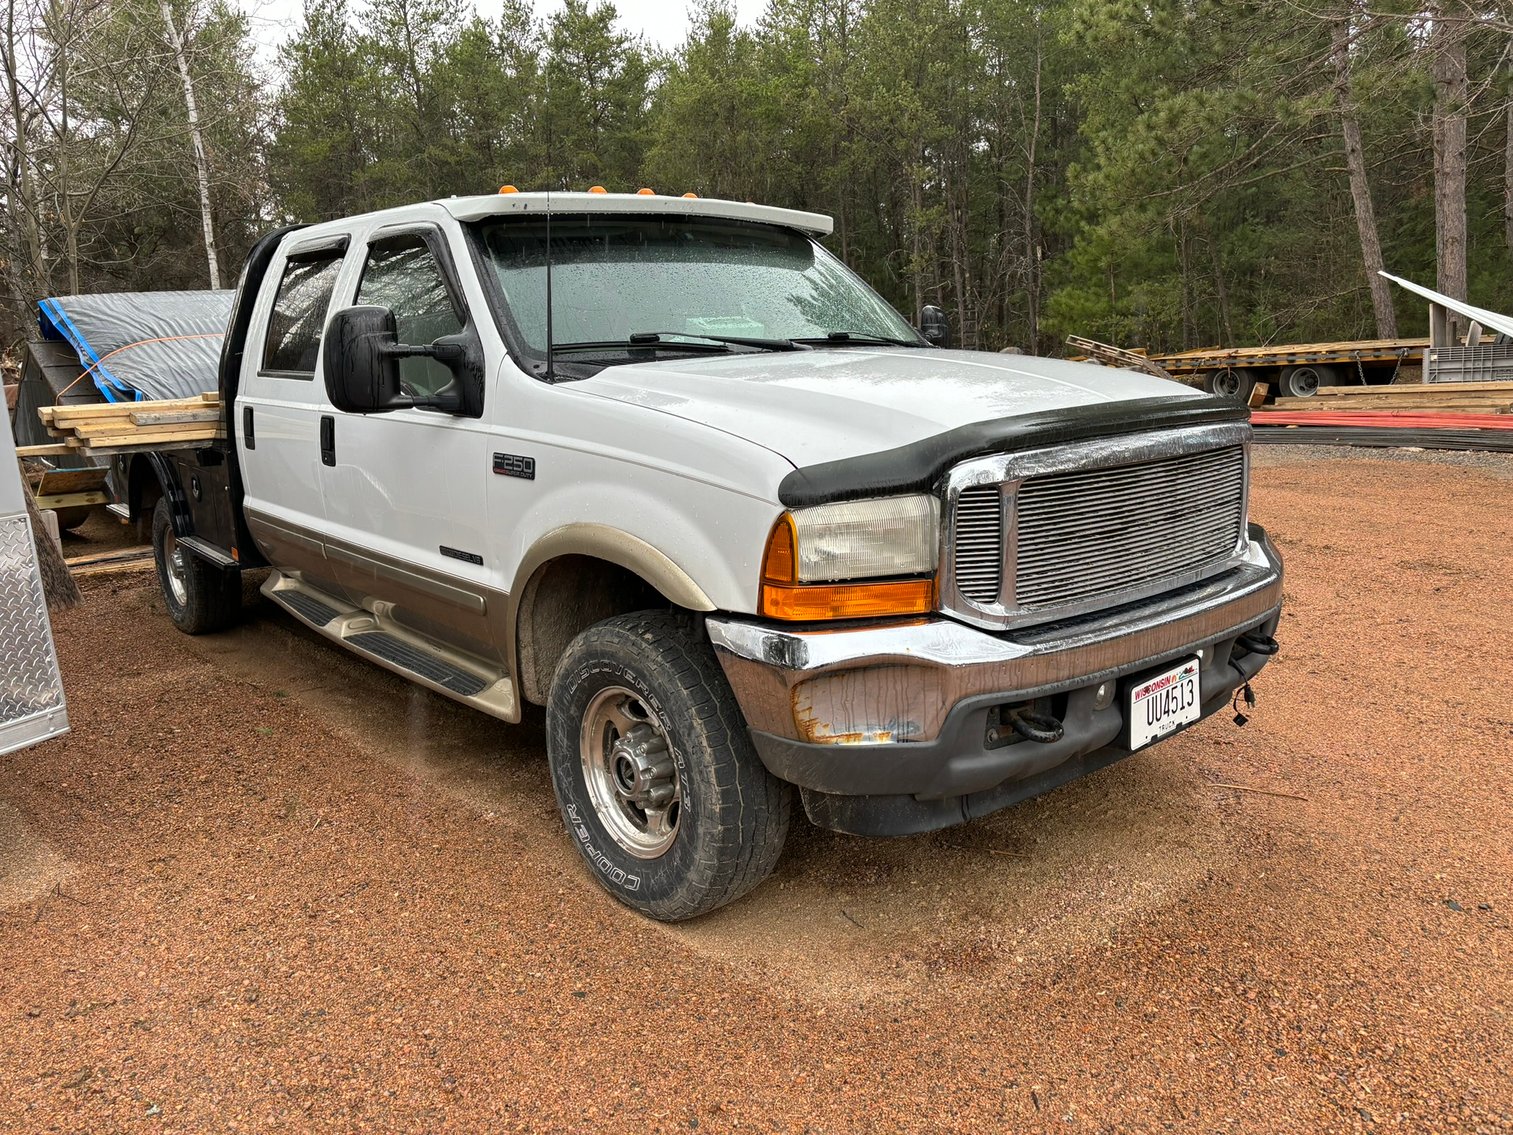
263, 885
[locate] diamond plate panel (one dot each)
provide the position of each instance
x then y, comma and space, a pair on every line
30, 684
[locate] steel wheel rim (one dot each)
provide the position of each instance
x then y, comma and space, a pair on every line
630, 774
1227, 384
1305, 382
173, 568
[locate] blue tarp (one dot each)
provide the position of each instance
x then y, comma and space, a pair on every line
139, 345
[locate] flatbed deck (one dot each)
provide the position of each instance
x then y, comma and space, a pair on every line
1368, 351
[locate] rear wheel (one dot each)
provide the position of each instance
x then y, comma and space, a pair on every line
1304, 381
662, 793
200, 597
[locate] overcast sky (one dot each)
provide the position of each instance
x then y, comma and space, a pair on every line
663, 22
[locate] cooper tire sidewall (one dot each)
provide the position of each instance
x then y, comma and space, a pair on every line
640, 882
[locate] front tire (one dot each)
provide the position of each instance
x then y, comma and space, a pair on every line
200, 597
656, 777
1230, 384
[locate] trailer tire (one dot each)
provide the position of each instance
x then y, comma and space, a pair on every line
656, 777
201, 598
1304, 381
1230, 384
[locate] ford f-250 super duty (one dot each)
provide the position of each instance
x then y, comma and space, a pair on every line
732, 521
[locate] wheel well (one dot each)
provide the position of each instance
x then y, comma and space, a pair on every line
565, 596
143, 491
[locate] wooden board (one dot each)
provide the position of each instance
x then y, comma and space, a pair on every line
50, 414
169, 417
71, 480
106, 429
1403, 389
59, 450
71, 500
145, 439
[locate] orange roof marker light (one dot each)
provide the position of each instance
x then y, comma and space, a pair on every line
597, 189
691, 196
508, 189
646, 193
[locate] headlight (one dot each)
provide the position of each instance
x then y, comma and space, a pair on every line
810, 549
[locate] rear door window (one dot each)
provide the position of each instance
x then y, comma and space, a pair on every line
299, 314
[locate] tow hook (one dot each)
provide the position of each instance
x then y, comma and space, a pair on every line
1252, 642
1041, 728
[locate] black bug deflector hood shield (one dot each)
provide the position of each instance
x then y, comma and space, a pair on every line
918, 466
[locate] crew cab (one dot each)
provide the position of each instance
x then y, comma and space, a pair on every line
668, 468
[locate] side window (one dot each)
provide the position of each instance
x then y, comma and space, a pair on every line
299, 314
402, 275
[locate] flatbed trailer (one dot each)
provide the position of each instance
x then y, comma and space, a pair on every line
1298, 370
1291, 370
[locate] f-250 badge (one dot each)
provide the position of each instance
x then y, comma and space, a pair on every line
513, 465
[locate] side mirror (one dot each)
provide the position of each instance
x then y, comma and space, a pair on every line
361, 376
934, 326
361, 362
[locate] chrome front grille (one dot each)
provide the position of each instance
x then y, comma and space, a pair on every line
1098, 532
1047, 533
979, 542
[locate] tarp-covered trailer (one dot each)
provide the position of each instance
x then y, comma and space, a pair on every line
117, 347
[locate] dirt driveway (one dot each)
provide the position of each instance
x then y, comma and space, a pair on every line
264, 886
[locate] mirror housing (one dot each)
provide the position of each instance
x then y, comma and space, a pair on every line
361, 362
934, 326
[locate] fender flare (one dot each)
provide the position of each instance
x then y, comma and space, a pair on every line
615, 546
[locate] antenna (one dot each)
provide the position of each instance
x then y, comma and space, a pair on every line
551, 374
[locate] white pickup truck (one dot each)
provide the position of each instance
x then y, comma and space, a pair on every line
668, 468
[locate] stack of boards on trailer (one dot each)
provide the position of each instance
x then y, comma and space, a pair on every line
105, 428
1416, 398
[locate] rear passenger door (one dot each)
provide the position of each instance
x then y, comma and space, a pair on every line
279, 405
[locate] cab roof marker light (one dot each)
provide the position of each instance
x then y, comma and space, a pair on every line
691, 196
508, 189
597, 189
643, 192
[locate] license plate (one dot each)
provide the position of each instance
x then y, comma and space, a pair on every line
1163, 703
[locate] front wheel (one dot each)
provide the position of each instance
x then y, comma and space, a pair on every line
200, 597
659, 785
1229, 384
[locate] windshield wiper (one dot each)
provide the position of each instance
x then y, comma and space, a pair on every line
680, 341
861, 338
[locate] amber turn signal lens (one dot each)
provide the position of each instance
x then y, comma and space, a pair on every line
780, 560
812, 602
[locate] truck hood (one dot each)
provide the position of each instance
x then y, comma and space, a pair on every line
830, 404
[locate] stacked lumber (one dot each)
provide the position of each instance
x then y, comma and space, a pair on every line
1417, 398
124, 427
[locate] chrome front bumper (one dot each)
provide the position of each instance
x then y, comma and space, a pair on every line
883, 708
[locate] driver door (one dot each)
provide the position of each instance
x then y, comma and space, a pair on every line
405, 489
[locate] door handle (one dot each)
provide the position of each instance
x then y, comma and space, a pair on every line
327, 440
249, 436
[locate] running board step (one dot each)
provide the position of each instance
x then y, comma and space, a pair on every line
398, 648
417, 661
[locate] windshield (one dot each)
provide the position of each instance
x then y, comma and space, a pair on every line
617, 277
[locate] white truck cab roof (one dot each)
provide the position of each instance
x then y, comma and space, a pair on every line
504, 204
